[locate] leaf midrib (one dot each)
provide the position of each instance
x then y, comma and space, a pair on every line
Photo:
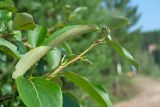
36, 92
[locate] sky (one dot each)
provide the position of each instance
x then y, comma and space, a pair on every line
150, 14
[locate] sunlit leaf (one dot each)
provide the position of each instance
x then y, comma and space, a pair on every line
29, 59
123, 52
23, 21
67, 33
9, 48
38, 92
99, 95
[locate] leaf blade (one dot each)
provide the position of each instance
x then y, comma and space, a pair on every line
36, 36
53, 58
23, 21
37, 92
123, 52
67, 33
29, 59
118, 22
69, 99
89, 88
58, 37
9, 48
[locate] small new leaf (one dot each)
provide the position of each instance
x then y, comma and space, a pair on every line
23, 21
123, 52
54, 58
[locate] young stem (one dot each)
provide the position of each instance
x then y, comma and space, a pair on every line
61, 67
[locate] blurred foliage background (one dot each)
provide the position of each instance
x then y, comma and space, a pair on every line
56, 14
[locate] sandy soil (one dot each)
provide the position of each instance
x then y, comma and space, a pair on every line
148, 95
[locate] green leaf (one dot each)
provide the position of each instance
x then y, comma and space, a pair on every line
54, 58
38, 92
123, 52
36, 36
23, 21
9, 48
70, 101
68, 32
118, 22
103, 94
29, 59
99, 95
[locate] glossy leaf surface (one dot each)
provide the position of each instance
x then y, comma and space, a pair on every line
38, 92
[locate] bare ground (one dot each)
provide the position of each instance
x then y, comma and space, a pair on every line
148, 94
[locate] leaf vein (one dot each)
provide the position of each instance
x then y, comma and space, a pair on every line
36, 93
